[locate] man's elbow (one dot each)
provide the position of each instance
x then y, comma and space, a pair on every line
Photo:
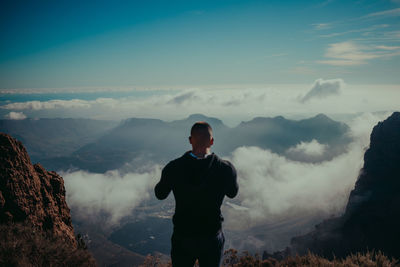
160, 194
232, 193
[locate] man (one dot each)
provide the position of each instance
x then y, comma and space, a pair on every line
199, 181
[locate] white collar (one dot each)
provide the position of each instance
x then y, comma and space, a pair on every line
196, 157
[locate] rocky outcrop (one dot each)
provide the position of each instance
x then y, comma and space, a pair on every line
372, 217
31, 194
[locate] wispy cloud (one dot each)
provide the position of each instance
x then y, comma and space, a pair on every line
347, 54
350, 53
368, 29
349, 23
385, 38
390, 48
383, 14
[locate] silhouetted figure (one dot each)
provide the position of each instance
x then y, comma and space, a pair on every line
199, 181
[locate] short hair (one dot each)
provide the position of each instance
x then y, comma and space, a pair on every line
201, 127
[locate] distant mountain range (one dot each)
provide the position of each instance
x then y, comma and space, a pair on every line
46, 138
98, 146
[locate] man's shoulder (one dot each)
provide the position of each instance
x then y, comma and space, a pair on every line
224, 164
176, 162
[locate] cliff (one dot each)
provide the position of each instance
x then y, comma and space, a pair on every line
371, 220
30, 194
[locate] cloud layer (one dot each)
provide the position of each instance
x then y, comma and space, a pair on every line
112, 195
232, 105
51, 104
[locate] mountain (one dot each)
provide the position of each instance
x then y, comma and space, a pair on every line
46, 138
372, 216
278, 134
34, 214
142, 141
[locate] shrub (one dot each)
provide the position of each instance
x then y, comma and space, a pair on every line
233, 259
23, 245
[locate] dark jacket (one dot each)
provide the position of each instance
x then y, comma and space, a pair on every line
199, 187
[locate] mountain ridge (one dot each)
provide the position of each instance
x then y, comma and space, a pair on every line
158, 140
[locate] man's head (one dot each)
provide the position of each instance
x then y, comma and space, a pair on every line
201, 135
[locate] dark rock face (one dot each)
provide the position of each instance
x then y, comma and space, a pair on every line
372, 217
30, 194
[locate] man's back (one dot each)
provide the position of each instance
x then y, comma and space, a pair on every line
199, 187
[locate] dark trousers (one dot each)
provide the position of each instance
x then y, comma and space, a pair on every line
207, 249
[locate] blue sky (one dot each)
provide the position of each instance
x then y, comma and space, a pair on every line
65, 44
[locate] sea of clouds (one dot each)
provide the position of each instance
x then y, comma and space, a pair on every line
271, 185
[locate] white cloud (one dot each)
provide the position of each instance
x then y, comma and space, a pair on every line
271, 186
350, 54
348, 51
323, 88
347, 54
112, 194
307, 150
15, 115
51, 104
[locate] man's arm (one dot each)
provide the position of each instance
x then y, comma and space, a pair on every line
232, 186
164, 187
